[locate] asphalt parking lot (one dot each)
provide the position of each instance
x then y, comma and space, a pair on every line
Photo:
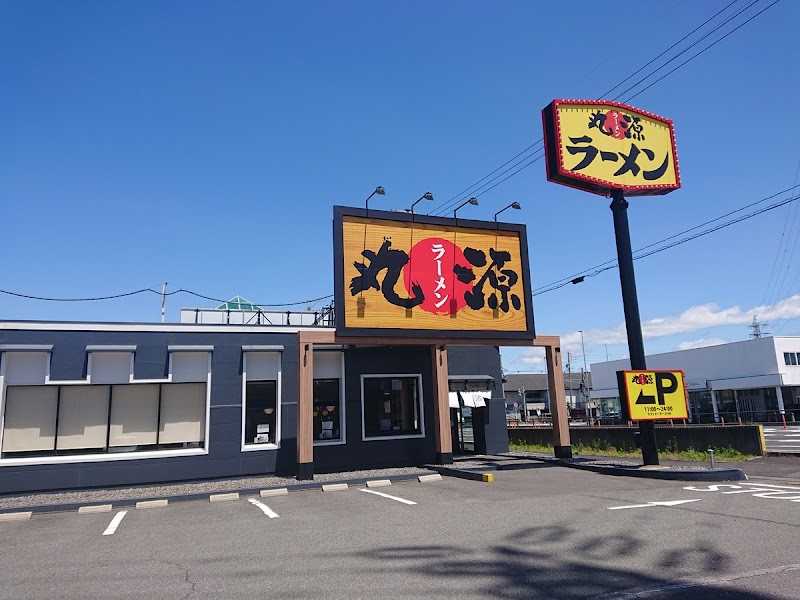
548, 532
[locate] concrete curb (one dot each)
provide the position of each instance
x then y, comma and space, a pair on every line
478, 475
334, 487
373, 483
227, 497
682, 474
94, 508
16, 516
148, 504
203, 496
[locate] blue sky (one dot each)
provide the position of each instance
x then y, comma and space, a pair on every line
204, 144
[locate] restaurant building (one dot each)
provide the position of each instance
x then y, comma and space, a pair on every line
407, 373
103, 404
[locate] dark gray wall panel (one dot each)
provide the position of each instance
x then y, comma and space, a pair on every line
225, 458
366, 454
68, 362
150, 362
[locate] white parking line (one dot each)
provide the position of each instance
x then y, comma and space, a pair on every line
403, 500
264, 508
112, 527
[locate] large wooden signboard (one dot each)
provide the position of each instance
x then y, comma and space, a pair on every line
398, 274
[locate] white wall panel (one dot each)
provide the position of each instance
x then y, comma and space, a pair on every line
25, 368
262, 366
328, 365
189, 366
110, 367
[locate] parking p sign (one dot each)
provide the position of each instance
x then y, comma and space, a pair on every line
654, 395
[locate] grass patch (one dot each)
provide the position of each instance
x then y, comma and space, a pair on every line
600, 449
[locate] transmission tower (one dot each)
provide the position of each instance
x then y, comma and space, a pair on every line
755, 326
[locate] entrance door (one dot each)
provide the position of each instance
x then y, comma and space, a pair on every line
461, 428
467, 432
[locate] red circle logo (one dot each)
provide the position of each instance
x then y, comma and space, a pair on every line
430, 265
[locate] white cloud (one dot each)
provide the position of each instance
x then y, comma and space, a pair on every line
531, 360
695, 318
703, 343
692, 319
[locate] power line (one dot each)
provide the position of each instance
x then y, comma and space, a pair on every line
451, 202
643, 67
484, 192
685, 231
793, 218
258, 304
780, 245
29, 297
689, 47
471, 190
672, 245
702, 51
144, 290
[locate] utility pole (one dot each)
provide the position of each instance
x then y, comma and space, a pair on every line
521, 392
569, 378
583, 376
163, 301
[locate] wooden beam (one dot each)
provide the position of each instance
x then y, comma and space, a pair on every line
558, 403
442, 341
441, 406
305, 407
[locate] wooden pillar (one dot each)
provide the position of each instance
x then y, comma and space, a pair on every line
305, 410
441, 406
558, 404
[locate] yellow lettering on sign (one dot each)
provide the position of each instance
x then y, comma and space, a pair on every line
654, 395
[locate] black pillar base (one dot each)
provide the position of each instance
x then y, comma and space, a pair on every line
444, 458
649, 443
563, 451
305, 471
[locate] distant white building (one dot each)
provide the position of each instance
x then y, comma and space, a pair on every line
757, 379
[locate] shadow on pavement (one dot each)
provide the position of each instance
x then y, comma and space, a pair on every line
559, 563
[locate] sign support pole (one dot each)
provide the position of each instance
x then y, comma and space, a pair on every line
630, 303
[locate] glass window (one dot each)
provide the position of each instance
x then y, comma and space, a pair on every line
183, 415
392, 406
260, 412
30, 419
82, 418
327, 410
134, 417
793, 358
786, 358
96, 419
